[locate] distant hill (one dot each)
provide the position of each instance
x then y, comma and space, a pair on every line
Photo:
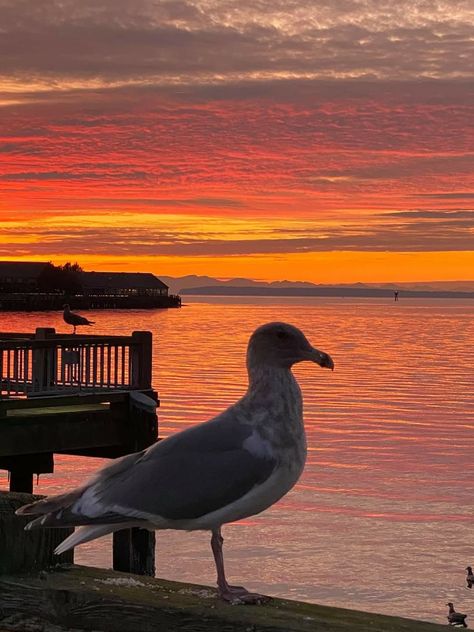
176, 284
194, 284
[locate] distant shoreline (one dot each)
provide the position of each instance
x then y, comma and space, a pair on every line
332, 291
42, 302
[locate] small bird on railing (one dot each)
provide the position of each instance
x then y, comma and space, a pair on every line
75, 319
469, 577
456, 618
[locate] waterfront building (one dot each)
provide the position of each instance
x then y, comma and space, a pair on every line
122, 284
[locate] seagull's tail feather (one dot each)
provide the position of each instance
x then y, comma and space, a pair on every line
85, 534
77, 509
60, 518
49, 505
56, 511
80, 506
70, 515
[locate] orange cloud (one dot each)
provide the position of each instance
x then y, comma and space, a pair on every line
317, 181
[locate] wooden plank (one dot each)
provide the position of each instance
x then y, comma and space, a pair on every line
95, 599
42, 463
55, 410
28, 340
76, 399
61, 433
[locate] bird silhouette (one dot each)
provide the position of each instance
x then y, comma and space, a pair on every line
75, 319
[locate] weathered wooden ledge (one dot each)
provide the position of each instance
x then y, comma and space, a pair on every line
78, 597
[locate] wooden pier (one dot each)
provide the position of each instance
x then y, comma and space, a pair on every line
78, 395
97, 599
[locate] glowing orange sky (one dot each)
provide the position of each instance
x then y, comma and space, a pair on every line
354, 164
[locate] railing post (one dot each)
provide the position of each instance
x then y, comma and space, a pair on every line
44, 363
141, 359
134, 549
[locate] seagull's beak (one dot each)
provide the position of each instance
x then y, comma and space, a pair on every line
319, 357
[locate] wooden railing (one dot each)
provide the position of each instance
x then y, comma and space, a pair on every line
46, 363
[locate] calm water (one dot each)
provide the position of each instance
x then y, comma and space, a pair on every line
382, 519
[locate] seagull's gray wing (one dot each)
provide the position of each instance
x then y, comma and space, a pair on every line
79, 320
189, 475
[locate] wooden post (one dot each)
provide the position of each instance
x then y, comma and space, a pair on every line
134, 549
21, 480
143, 420
20, 550
23, 467
44, 363
141, 359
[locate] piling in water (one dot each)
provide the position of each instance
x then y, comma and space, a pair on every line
23, 551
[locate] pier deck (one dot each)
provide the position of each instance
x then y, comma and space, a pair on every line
77, 395
72, 394
96, 599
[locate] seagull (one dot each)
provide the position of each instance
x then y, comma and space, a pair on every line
231, 467
469, 577
456, 618
75, 319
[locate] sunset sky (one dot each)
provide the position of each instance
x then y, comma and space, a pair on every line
303, 140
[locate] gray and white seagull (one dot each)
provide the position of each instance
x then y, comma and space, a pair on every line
231, 467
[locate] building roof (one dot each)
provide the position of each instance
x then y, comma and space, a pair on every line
121, 280
22, 269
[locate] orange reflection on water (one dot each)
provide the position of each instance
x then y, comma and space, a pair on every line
388, 482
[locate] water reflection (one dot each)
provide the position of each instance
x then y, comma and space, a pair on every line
388, 487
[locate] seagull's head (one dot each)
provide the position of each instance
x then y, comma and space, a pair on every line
469, 569
281, 345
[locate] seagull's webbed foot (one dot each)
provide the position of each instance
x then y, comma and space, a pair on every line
235, 595
238, 595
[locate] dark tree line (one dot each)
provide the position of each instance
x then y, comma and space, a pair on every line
66, 278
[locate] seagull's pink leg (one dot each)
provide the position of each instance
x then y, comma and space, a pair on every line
233, 594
